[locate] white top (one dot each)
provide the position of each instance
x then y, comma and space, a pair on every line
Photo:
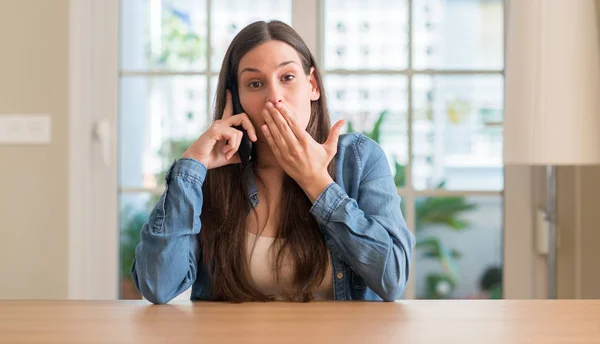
261, 269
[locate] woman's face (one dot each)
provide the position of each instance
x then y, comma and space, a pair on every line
272, 72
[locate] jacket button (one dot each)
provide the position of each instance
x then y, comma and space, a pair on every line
339, 275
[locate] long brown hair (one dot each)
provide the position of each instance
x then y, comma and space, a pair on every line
227, 205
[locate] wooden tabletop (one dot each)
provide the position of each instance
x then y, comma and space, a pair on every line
420, 321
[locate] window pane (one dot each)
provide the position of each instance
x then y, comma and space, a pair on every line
362, 100
134, 210
230, 16
163, 35
459, 247
466, 34
160, 117
457, 132
363, 34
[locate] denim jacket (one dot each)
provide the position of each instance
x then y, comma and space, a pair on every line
358, 215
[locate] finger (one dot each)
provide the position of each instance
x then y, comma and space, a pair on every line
298, 131
228, 111
243, 120
231, 144
235, 159
332, 140
225, 133
273, 128
231, 148
236, 146
283, 126
265, 129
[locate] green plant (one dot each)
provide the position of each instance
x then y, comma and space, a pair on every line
132, 221
438, 286
375, 133
181, 46
169, 151
130, 236
431, 211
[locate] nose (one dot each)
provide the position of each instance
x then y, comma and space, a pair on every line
275, 94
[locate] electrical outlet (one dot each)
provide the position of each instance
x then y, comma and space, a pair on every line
25, 129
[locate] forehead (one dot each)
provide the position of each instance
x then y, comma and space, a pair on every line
268, 56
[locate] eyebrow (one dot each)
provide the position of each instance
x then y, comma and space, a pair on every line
250, 69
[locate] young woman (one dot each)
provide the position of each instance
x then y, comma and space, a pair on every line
314, 215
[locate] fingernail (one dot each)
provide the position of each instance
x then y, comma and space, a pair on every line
269, 104
278, 105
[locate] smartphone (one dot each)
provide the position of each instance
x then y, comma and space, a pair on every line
245, 149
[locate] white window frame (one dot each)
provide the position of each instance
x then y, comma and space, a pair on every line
93, 220
93, 99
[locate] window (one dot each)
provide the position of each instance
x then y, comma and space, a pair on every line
424, 78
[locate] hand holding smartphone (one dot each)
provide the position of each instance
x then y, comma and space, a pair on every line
233, 134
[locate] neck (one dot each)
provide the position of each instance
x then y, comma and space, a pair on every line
267, 162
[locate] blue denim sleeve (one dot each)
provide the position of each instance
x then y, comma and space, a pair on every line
167, 256
370, 232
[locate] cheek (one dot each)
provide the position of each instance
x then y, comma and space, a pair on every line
300, 103
302, 111
305, 117
253, 106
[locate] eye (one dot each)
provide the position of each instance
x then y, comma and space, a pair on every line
288, 77
255, 84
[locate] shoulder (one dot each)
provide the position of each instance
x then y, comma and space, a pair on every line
360, 144
352, 140
361, 152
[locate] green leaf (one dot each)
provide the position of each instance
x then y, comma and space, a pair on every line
190, 36
169, 151
432, 280
457, 224
349, 127
456, 254
376, 132
428, 242
430, 254
130, 237
434, 248
400, 175
442, 211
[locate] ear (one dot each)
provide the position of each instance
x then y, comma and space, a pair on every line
315, 92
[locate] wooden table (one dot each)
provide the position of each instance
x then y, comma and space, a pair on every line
474, 321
